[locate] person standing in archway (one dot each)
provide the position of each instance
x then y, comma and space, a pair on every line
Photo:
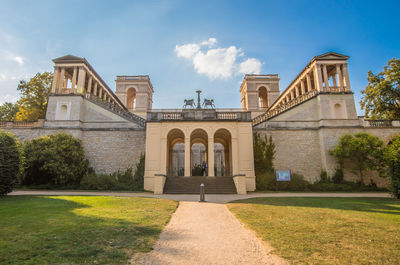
204, 168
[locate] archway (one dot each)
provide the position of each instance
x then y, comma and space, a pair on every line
131, 99
222, 153
263, 97
176, 153
198, 151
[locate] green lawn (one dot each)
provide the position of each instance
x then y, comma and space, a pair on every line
79, 229
326, 230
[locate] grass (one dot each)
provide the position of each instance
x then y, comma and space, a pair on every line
79, 229
326, 230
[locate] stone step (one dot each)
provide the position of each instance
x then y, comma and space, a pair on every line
191, 185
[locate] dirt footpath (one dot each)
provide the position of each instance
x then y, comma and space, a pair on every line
207, 233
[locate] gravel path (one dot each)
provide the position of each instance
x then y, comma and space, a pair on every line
207, 233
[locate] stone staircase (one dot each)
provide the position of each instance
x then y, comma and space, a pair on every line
191, 185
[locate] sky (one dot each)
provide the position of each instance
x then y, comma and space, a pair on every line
189, 45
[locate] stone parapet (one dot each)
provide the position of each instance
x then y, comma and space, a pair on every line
199, 115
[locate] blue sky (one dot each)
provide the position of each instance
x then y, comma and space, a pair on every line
223, 40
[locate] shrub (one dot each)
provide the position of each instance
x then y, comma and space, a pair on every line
338, 176
323, 177
197, 170
264, 154
392, 158
54, 159
9, 161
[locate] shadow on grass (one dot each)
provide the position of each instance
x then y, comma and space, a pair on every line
374, 205
44, 230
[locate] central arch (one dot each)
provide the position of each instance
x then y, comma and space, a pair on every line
198, 151
262, 98
131, 99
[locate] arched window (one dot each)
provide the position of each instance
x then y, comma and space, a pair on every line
262, 97
131, 99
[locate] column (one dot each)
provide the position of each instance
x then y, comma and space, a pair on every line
292, 94
187, 157
95, 88
309, 86
303, 87
81, 81
326, 78
100, 93
235, 157
339, 77
61, 81
297, 91
318, 78
89, 88
334, 81
163, 156
73, 81
211, 156
55, 80
346, 77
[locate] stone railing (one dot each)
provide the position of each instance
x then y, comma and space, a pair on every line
380, 123
195, 114
284, 107
22, 124
111, 106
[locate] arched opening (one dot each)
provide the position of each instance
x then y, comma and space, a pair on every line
263, 97
176, 153
131, 99
222, 153
198, 152
63, 112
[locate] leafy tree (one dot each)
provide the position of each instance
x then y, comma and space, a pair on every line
54, 159
364, 150
392, 158
8, 111
138, 177
9, 161
381, 98
34, 96
264, 154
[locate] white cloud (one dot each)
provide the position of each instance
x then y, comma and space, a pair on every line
19, 60
217, 62
250, 66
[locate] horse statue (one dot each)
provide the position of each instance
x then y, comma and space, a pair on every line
188, 102
208, 103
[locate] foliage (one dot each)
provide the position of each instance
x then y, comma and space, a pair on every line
138, 178
323, 177
338, 176
392, 158
364, 150
54, 159
8, 111
264, 154
101, 230
381, 98
197, 170
34, 96
9, 161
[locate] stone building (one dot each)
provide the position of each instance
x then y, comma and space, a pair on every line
305, 121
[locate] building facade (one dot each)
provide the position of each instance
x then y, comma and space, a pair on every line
305, 121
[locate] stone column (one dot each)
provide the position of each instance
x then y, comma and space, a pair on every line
61, 81
303, 87
339, 77
95, 88
291, 94
187, 157
211, 156
55, 80
297, 91
309, 86
81, 81
100, 93
89, 88
73, 81
326, 78
163, 156
235, 157
318, 78
346, 77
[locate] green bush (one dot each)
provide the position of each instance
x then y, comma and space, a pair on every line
197, 170
264, 154
54, 159
9, 161
338, 176
323, 177
392, 158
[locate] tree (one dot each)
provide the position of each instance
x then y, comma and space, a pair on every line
392, 158
8, 111
264, 154
381, 98
54, 159
9, 161
34, 96
364, 150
